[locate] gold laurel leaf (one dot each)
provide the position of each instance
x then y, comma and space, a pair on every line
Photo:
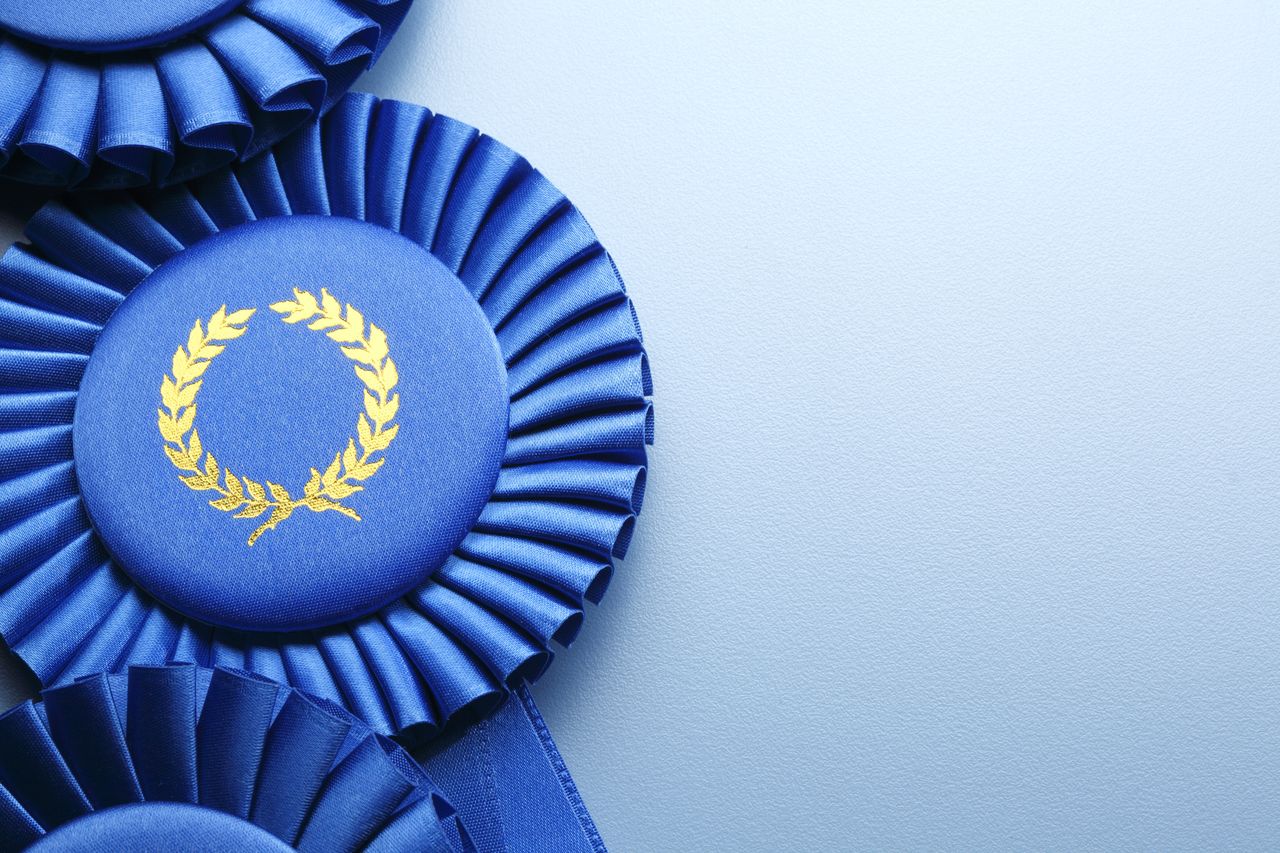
390, 408
313, 485
185, 422
279, 493
194, 449
371, 380
332, 308
342, 490
365, 433
195, 338
365, 471
195, 370
383, 440
349, 459
211, 468
187, 396
199, 482
227, 504
169, 394
331, 473
359, 354
239, 318
179, 459
373, 408
180, 363
306, 301
233, 484
390, 375
256, 491
346, 334
377, 343
169, 430
355, 320
253, 510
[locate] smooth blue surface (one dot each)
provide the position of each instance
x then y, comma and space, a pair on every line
157, 826
93, 25
961, 531
281, 400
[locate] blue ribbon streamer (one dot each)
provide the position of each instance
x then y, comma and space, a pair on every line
511, 787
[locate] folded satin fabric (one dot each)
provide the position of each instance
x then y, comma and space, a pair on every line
510, 785
179, 756
115, 93
488, 478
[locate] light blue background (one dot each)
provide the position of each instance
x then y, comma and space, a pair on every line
964, 517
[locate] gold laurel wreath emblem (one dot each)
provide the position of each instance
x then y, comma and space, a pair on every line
247, 497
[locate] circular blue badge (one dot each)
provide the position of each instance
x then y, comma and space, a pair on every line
159, 826
291, 423
102, 25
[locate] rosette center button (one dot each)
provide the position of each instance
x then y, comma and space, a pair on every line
291, 423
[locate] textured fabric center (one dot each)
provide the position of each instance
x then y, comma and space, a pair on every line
102, 25
291, 423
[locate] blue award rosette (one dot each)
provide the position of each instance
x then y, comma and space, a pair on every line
366, 414
116, 93
179, 757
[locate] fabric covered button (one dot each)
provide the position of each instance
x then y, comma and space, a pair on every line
94, 25
291, 424
159, 826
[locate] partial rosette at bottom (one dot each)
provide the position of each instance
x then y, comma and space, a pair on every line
166, 757
368, 415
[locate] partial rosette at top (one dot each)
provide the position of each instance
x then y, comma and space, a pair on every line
367, 414
120, 93
180, 757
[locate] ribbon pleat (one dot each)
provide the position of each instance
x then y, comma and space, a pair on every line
19, 411
60, 134
34, 771
580, 576
85, 725
303, 743
133, 130
360, 795
444, 145
23, 71
230, 739
52, 639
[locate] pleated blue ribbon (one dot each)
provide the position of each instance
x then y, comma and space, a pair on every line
163, 756
75, 111
571, 479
